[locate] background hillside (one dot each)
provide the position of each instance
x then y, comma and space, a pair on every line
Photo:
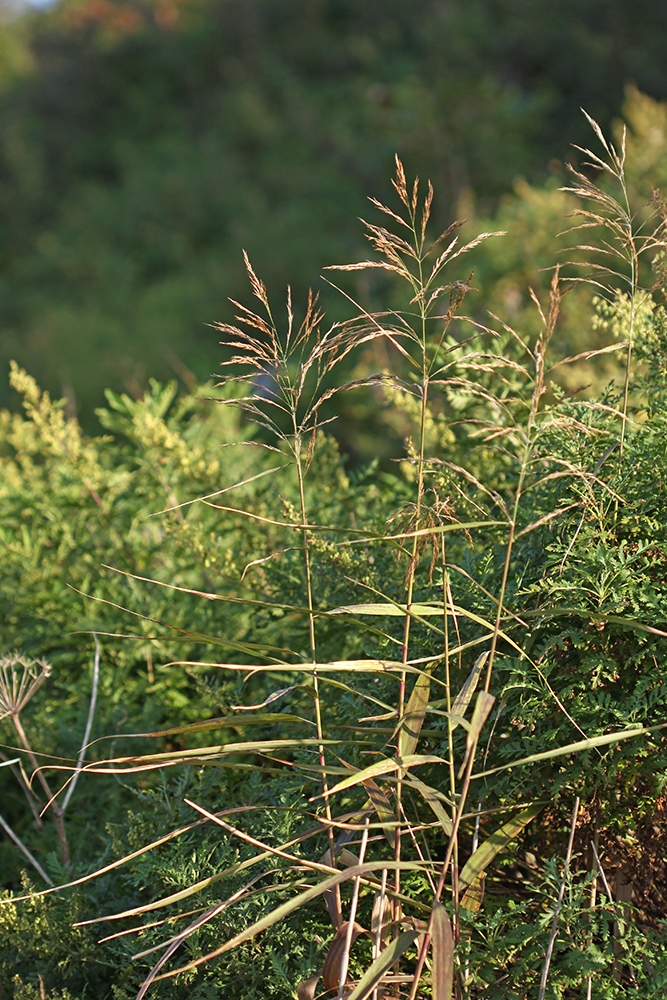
143, 144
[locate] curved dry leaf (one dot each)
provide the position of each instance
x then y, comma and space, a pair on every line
308, 990
332, 963
374, 975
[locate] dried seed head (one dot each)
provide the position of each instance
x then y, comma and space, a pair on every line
20, 678
399, 183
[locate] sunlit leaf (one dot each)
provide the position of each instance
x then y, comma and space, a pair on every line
492, 846
483, 706
463, 698
413, 719
284, 910
579, 747
384, 766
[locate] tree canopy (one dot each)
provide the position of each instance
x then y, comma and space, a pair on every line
143, 143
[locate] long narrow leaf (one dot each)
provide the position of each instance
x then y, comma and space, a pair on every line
442, 948
435, 800
200, 753
275, 916
493, 845
463, 698
480, 714
382, 806
395, 610
384, 766
115, 864
233, 721
412, 723
191, 890
590, 744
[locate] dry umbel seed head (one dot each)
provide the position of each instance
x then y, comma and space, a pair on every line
20, 678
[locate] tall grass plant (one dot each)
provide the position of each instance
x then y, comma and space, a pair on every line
468, 662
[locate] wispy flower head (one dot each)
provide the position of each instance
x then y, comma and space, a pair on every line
287, 373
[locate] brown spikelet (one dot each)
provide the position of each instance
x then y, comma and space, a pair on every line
399, 183
388, 211
258, 287
415, 195
426, 213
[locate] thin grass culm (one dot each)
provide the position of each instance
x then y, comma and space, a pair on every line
290, 380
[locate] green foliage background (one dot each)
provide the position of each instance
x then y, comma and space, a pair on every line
142, 144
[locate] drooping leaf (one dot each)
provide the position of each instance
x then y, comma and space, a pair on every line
383, 766
487, 851
434, 799
332, 963
580, 746
308, 990
233, 721
284, 910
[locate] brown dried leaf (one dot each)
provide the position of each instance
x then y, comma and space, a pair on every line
442, 949
332, 963
308, 990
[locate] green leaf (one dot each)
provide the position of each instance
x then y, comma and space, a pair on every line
483, 706
284, 910
234, 721
382, 806
590, 744
434, 800
383, 766
463, 698
413, 719
487, 851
